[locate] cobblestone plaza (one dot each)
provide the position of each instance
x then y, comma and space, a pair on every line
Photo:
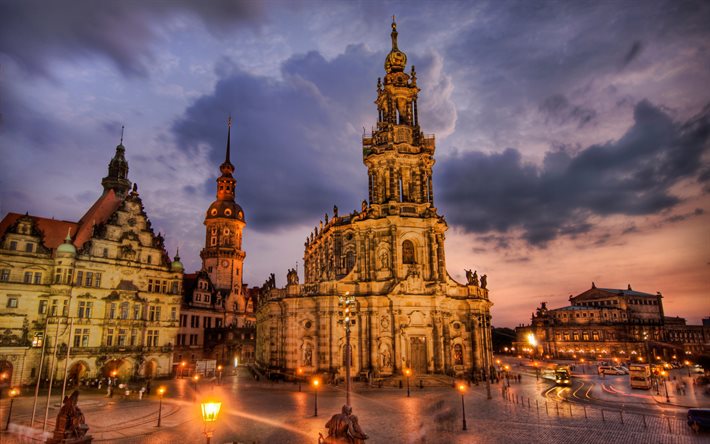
268, 412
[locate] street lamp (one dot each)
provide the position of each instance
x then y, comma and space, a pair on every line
407, 373
219, 375
161, 392
665, 387
182, 369
347, 303
299, 373
687, 366
462, 390
316, 382
210, 410
13, 392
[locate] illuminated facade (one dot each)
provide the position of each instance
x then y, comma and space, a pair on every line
216, 305
390, 255
100, 294
608, 322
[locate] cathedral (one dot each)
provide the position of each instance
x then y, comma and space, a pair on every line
390, 256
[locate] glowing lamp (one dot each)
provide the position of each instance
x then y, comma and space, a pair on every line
210, 410
161, 390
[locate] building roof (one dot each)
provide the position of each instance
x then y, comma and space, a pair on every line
55, 231
626, 292
584, 307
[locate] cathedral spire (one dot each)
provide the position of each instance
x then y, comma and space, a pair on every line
396, 60
394, 33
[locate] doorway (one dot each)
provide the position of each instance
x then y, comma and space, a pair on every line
417, 348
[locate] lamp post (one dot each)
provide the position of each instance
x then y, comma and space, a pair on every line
161, 392
210, 411
407, 373
299, 374
347, 303
195, 379
665, 387
12, 393
182, 369
687, 366
219, 375
462, 390
316, 382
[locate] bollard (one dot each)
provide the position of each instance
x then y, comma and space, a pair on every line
557, 406
537, 408
669, 425
621, 416
570, 409
644, 421
603, 415
528, 403
585, 411
547, 411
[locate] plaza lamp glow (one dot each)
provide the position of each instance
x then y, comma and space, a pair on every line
210, 410
462, 389
161, 392
316, 383
533, 344
407, 373
12, 393
219, 374
299, 375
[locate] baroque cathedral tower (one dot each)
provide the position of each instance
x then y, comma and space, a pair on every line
409, 312
222, 256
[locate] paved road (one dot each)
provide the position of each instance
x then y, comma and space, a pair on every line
263, 412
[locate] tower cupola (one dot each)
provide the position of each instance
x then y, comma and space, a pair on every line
117, 178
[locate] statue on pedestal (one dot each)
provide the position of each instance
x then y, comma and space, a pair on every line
71, 425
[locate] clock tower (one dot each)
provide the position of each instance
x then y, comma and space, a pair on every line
222, 256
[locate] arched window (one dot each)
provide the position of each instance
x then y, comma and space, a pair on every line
349, 261
458, 354
408, 252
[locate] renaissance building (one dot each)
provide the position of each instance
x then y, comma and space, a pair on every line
390, 256
90, 297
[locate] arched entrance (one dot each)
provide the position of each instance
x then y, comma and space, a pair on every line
122, 367
5, 373
150, 369
77, 372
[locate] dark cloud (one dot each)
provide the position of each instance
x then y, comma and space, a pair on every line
630, 176
34, 33
634, 51
557, 109
293, 144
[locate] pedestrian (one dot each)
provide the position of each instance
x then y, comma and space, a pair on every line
147, 388
140, 393
99, 385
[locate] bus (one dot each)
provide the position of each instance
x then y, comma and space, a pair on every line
563, 377
640, 376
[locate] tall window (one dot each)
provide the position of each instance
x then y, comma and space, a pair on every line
154, 313
38, 278
13, 245
28, 277
29, 247
112, 311
84, 310
53, 309
79, 278
136, 311
89, 279
81, 337
121, 337
109, 337
152, 338
4, 275
408, 252
134, 335
458, 354
124, 310
42, 307
97, 279
150, 285
173, 313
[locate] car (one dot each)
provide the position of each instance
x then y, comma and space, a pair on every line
622, 369
609, 370
699, 419
697, 369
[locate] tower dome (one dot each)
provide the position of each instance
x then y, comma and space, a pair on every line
66, 248
396, 60
176, 265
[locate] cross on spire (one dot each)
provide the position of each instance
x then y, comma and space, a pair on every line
122, 128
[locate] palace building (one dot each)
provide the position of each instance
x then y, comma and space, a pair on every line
390, 256
611, 323
90, 297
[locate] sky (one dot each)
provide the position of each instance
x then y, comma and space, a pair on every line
573, 137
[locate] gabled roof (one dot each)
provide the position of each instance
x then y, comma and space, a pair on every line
54, 231
595, 293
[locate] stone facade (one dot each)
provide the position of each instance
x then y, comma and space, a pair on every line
216, 304
107, 296
608, 322
390, 256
